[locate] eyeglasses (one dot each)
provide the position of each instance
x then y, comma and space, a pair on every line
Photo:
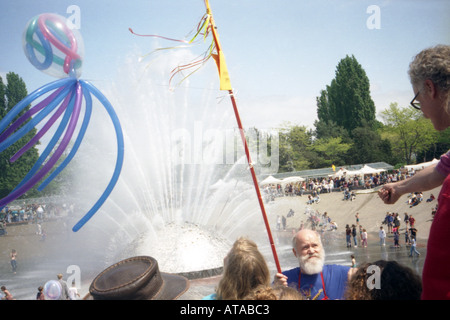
415, 105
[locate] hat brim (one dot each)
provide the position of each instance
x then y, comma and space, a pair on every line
173, 287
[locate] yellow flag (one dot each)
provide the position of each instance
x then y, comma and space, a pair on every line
224, 77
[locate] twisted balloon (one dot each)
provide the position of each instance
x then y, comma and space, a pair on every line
52, 47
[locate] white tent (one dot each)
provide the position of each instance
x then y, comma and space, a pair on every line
339, 173
351, 173
421, 165
369, 170
270, 180
345, 172
292, 180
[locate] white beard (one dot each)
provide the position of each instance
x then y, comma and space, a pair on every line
310, 265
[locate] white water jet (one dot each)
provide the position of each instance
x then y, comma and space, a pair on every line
185, 193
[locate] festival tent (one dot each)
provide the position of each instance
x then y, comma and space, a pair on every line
369, 170
292, 180
345, 172
421, 165
350, 173
270, 180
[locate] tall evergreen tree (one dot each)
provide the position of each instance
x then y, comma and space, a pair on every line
347, 101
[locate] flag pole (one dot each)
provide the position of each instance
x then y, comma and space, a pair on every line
226, 85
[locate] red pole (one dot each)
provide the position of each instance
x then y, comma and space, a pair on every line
244, 140
255, 180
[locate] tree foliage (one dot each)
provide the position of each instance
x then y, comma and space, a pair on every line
347, 101
12, 173
294, 148
410, 131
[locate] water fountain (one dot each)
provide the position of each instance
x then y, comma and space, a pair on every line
185, 192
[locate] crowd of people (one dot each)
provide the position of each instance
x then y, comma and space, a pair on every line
314, 187
356, 235
33, 213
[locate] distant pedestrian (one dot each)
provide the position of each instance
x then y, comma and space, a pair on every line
64, 288
73, 292
278, 222
354, 235
406, 219
407, 240
364, 238
38, 228
348, 235
396, 238
411, 221
13, 256
382, 235
413, 247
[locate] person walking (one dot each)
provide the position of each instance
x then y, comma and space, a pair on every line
64, 288
13, 256
396, 238
348, 234
413, 248
382, 235
364, 238
354, 235
73, 292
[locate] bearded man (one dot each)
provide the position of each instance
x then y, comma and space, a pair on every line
313, 279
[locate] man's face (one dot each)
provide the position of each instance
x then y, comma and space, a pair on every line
310, 253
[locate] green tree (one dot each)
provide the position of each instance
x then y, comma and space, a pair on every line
408, 130
329, 129
12, 173
330, 151
435, 150
347, 101
368, 146
294, 148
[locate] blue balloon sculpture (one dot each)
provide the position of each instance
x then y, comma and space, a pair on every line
52, 47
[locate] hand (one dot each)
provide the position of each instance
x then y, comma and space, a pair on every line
280, 279
388, 193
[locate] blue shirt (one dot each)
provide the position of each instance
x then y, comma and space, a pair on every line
334, 277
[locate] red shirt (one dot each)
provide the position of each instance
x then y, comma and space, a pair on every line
436, 270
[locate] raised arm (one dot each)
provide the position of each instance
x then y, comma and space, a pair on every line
424, 180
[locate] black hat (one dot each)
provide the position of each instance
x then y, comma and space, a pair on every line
137, 278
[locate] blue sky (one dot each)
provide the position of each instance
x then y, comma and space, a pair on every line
280, 53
